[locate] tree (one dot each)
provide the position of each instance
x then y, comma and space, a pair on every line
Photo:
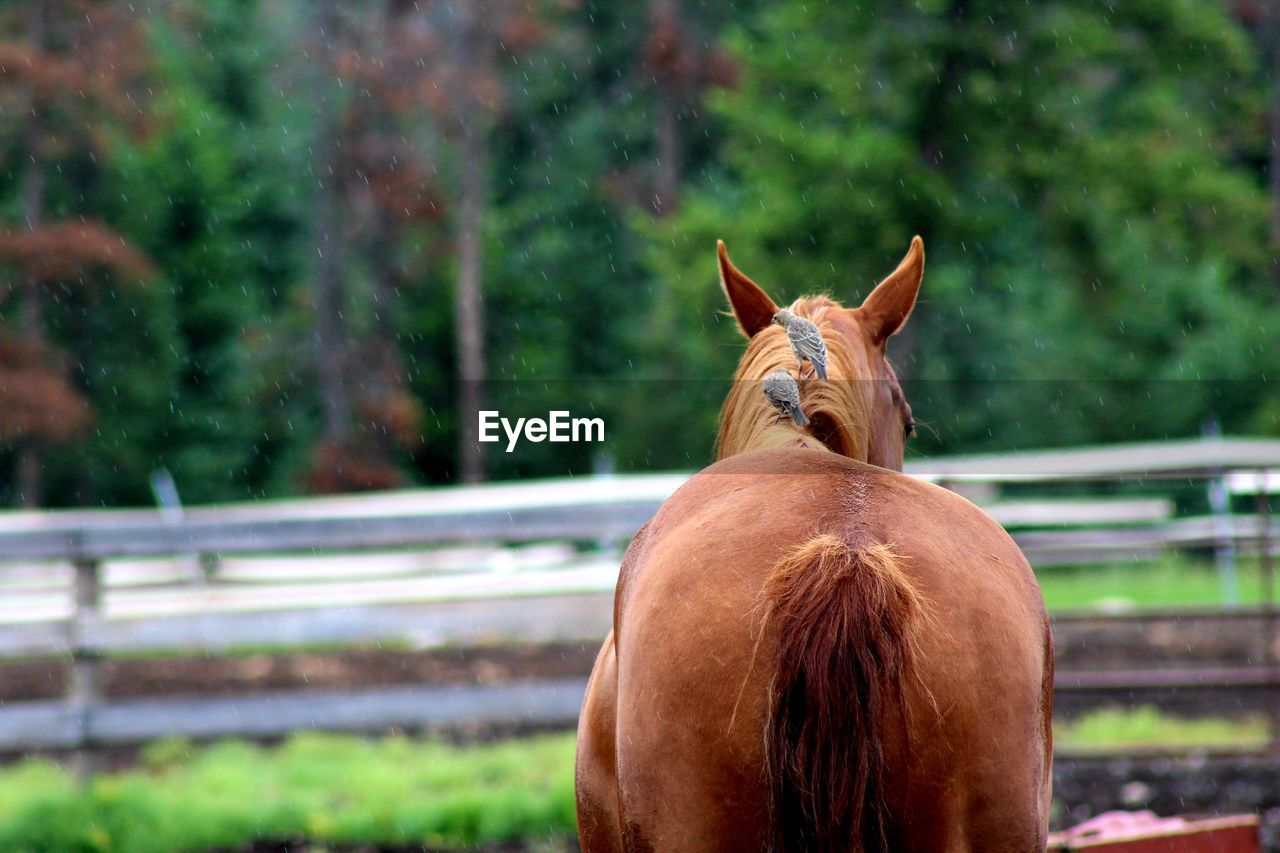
381, 177
210, 193
457, 49
331, 235
371, 188
1075, 171
74, 72
680, 69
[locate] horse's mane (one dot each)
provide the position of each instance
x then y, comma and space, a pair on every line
837, 408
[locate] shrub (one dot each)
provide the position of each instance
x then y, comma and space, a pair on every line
327, 788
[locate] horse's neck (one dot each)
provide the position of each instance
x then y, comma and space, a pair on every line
836, 408
777, 435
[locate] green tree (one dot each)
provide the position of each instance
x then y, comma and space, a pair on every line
1076, 172
203, 193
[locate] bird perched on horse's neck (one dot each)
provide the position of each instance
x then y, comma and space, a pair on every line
806, 341
781, 390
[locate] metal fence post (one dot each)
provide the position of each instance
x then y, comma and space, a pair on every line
1224, 546
1266, 575
82, 681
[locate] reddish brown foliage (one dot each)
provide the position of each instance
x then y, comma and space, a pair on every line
424, 64
388, 172
516, 27
681, 66
337, 468
398, 414
410, 61
46, 74
93, 72
1251, 13
718, 70
37, 402
667, 53
406, 193
72, 251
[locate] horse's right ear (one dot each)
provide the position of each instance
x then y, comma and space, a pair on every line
889, 305
751, 305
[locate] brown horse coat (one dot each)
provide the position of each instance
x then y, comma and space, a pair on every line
811, 652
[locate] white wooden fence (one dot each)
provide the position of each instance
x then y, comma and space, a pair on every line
531, 562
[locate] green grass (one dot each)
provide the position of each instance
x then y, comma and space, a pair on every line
327, 788
246, 650
1146, 727
339, 789
1173, 581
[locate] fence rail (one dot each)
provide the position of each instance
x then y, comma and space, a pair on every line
58, 725
281, 586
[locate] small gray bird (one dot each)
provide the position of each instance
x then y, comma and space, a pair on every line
781, 390
806, 341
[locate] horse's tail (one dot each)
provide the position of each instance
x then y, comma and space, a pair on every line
841, 615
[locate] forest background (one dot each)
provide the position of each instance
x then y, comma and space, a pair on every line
285, 246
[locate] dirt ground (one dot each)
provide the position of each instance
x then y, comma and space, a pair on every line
1079, 646
330, 670
553, 845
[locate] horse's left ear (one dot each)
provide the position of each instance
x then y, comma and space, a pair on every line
751, 305
887, 308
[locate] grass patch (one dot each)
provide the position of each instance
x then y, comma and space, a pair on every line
326, 788
344, 790
1113, 729
248, 650
1174, 581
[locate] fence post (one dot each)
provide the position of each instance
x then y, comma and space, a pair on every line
1224, 545
1270, 656
82, 681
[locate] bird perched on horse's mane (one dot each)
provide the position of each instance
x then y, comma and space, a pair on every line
806, 340
781, 390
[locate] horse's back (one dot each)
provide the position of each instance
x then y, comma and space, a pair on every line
692, 682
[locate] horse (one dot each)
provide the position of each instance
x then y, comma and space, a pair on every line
811, 650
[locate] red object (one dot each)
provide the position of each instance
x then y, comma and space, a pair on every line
1144, 832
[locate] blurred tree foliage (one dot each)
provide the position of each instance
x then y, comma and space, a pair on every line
1084, 178
252, 221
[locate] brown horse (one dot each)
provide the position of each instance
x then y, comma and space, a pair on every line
812, 651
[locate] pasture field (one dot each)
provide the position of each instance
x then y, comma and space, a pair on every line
1145, 727
391, 792
1171, 581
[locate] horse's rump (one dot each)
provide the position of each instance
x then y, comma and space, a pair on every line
841, 616
782, 631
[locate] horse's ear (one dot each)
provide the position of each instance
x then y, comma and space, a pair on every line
751, 305
887, 308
